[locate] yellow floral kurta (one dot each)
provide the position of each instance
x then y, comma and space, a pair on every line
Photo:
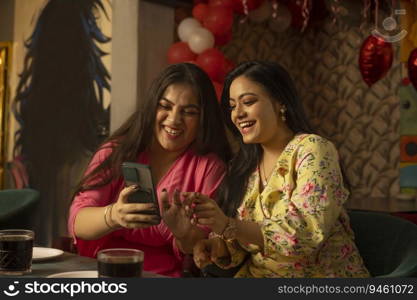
305, 227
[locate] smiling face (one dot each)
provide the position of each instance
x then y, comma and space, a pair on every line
177, 118
253, 111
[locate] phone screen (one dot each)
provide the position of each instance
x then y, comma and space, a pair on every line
131, 176
139, 174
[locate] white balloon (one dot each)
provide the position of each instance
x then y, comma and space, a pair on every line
186, 27
201, 39
262, 13
282, 20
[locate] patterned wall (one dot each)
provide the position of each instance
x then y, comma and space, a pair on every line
363, 122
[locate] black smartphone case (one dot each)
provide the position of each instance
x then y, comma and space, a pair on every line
139, 174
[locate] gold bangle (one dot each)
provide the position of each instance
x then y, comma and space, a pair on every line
230, 231
105, 215
111, 210
213, 235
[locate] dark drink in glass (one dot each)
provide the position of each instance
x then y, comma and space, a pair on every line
16, 251
120, 262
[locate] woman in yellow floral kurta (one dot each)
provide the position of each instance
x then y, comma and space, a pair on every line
288, 220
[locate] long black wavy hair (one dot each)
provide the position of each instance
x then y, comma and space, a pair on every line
136, 134
59, 103
59, 100
278, 84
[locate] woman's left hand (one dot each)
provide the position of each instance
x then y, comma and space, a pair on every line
174, 215
206, 212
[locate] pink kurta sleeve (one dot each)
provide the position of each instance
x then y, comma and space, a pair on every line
97, 197
210, 175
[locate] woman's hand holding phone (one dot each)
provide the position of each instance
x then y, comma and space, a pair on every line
130, 215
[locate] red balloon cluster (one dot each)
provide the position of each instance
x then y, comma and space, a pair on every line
210, 26
375, 59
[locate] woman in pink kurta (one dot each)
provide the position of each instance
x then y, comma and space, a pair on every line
179, 133
189, 173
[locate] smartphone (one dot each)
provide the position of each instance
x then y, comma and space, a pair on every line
139, 174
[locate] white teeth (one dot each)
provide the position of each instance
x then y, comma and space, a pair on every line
172, 131
246, 124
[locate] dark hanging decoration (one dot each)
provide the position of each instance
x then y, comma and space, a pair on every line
59, 98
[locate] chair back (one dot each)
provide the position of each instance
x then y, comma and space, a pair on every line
17, 207
387, 244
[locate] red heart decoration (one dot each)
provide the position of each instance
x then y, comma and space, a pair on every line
375, 59
412, 68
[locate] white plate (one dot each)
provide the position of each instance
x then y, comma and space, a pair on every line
42, 253
75, 274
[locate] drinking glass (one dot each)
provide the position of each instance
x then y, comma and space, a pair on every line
16, 251
120, 262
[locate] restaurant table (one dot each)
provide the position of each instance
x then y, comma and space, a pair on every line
69, 262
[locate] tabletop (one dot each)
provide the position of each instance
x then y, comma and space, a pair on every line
69, 262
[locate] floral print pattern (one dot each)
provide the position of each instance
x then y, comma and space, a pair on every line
305, 227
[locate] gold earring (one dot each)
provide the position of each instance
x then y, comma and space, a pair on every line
282, 110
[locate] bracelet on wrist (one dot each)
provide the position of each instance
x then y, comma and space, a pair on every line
230, 231
109, 207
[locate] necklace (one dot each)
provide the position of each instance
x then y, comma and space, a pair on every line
265, 180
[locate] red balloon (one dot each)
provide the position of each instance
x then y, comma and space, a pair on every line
219, 20
412, 68
252, 4
225, 3
212, 62
221, 40
219, 89
200, 11
180, 52
375, 59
